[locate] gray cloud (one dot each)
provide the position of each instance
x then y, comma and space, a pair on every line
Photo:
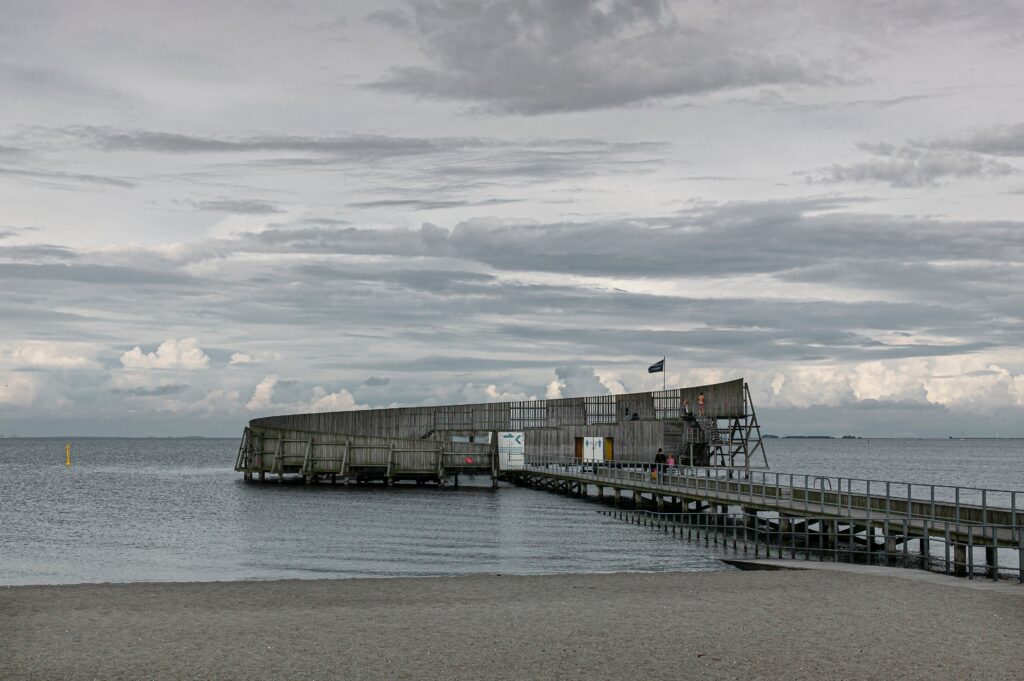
354, 146
36, 252
1005, 140
376, 381
427, 204
8, 232
158, 391
240, 206
914, 166
554, 56
408, 169
793, 241
61, 178
90, 273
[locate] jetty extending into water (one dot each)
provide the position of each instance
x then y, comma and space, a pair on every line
703, 425
605, 448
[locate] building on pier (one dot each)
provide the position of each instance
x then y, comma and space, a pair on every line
702, 425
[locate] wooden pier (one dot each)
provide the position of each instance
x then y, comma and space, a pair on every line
866, 520
604, 446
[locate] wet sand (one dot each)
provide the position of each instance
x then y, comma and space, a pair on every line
717, 625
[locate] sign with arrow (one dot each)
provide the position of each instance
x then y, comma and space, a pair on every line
511, 450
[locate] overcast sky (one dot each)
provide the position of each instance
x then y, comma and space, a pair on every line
212, 211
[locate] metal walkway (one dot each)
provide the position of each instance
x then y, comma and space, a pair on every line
961, 520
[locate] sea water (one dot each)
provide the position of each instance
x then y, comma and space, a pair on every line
173, 510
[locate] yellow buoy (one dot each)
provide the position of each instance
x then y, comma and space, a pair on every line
67, 454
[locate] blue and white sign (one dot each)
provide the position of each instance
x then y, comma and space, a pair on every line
511, 451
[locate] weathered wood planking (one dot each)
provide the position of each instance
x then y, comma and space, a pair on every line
724, 400
421, 440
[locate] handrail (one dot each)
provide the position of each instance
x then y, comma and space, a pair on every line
856, 494
940, 545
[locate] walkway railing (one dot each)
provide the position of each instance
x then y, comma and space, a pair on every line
806, 492
844, 540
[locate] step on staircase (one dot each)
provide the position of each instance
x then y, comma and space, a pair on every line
713, 436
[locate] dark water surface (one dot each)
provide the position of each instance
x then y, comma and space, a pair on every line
173, 510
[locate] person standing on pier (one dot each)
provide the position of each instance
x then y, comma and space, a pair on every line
659, 463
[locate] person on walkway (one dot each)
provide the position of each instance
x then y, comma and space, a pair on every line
659, 463
700, 404
670, 464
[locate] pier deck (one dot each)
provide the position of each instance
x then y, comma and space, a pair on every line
857, 523
723, 487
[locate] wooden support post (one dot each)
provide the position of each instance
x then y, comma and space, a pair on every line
307, 469
388, 476
661, 503
600, 492
617, 494
344, 459
991, 562
890, 544
960, 560
279, 459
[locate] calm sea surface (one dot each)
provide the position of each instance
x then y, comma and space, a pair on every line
173, 510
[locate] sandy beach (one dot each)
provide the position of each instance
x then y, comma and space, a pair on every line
718, 625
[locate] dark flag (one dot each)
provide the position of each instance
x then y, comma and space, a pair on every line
656, 367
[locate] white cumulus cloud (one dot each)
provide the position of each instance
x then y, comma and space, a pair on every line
581, 381
253, 357
172, 354
339, 401
50, 356
263, 395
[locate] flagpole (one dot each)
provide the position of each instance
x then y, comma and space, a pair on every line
664, 370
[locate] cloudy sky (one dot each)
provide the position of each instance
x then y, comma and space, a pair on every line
216, 211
